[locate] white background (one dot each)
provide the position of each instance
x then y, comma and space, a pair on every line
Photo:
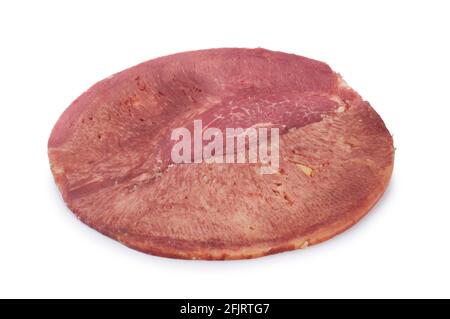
394, 53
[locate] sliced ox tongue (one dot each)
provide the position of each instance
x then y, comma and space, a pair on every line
110, 154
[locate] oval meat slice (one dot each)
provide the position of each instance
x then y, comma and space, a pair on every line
110, 154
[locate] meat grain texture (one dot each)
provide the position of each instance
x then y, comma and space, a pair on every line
111, 160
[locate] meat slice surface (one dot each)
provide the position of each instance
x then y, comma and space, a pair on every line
110, 154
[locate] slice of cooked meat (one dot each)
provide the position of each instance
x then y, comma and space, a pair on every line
110, 155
